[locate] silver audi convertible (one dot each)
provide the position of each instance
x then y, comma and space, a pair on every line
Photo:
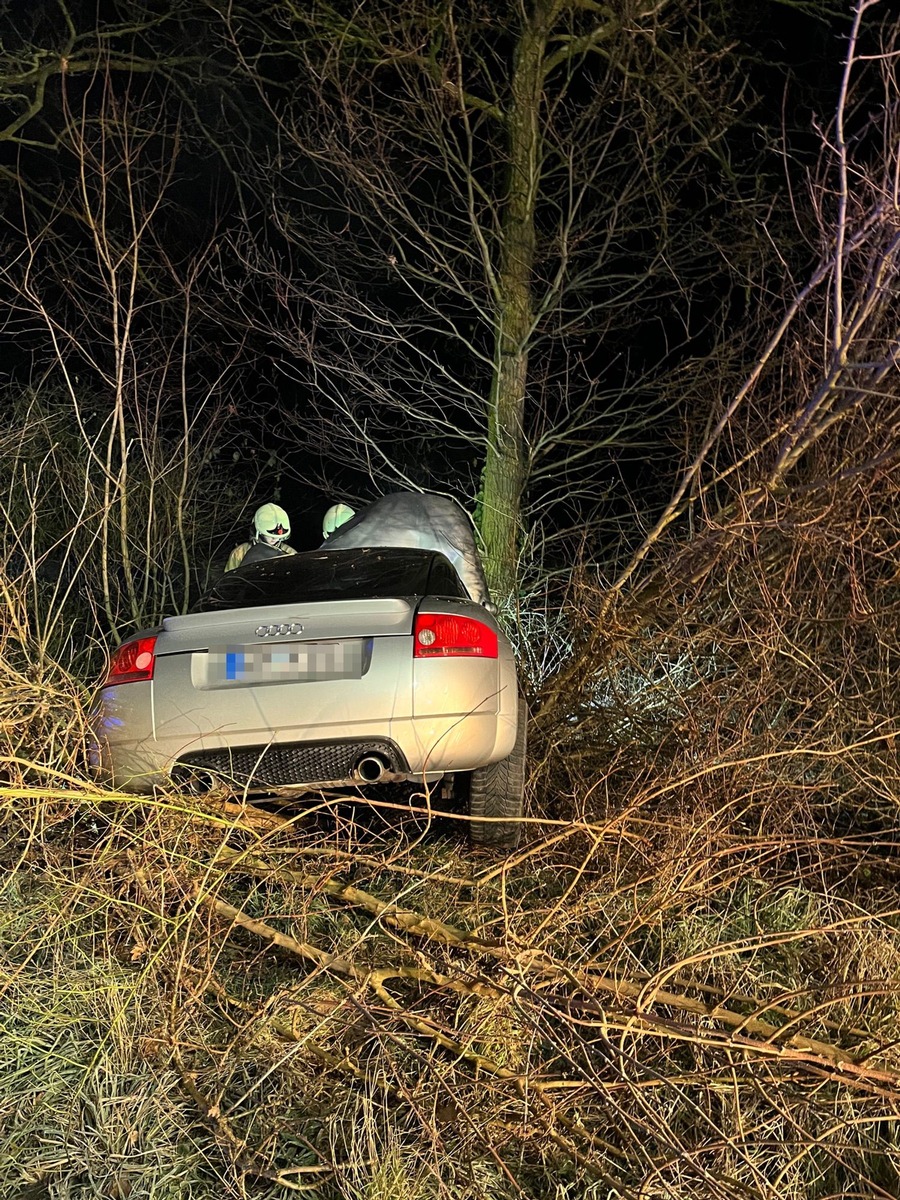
330, 668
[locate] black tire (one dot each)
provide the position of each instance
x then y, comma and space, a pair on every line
498, 790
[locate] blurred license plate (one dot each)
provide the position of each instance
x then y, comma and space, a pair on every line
289, 662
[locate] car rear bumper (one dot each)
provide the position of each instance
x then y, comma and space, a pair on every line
410, 748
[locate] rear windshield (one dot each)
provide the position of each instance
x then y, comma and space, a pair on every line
368, 574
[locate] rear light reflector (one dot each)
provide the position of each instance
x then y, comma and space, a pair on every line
132, 661
442, 635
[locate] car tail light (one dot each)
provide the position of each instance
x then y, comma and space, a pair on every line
132, 661
441, 635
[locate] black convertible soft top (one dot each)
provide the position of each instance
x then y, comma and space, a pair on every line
358, 574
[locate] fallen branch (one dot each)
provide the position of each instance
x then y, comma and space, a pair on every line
399, 918
622, 988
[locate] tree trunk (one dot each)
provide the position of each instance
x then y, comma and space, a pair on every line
503, 477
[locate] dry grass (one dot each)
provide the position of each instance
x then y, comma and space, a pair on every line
662, 1002
684, 984
205, 1001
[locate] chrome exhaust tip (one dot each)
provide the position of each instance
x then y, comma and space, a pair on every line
370, 769
199, 783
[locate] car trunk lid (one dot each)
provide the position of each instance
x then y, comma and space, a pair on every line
297, 622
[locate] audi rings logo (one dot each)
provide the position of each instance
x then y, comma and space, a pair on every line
279, 630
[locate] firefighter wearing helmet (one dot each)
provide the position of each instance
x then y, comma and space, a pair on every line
271, 529
335, 517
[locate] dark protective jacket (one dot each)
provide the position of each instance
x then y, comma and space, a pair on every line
418, 521
255, 551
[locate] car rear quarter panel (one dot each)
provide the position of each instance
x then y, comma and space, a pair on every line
465, 708
126, 753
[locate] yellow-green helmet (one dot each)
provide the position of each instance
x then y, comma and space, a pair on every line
271, 524
337, 515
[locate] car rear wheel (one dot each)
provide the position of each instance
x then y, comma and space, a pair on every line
498, 790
